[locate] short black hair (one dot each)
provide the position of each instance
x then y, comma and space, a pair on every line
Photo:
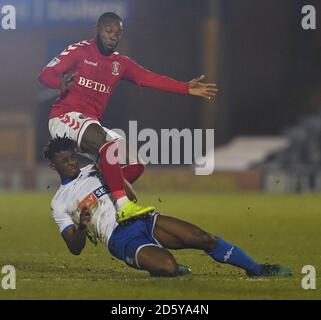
107, 16
57, 145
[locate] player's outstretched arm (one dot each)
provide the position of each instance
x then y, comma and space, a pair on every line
76, 238
146, 78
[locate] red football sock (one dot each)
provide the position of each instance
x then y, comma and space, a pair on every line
132, 172
112, 171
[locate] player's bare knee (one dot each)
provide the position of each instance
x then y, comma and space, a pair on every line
169, 267
98, 143
93, 139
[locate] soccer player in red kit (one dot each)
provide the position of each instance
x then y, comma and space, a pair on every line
87, 73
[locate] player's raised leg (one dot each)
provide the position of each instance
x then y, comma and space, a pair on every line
95, 141
176, 234
132, 172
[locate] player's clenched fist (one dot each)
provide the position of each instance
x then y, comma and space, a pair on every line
84, 218
67, 81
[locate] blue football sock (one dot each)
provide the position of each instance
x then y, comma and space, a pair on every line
225, 252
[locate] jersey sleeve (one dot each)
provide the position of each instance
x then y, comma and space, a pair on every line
146, 78
61, 218
51, 75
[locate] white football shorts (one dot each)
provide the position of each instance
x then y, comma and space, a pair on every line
72, 125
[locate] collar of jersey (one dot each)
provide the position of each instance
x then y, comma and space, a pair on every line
68, 180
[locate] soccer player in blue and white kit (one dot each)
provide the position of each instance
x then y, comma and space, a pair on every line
83, 206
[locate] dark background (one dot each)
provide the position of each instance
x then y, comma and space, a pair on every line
266, 66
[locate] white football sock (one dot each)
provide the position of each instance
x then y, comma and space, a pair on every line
120, 202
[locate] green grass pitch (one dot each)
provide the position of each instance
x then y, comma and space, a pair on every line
272, 228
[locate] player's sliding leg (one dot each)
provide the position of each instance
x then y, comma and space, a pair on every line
160, 262
176, 234
94, 141
157, 261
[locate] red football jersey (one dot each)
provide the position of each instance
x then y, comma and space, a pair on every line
96, 78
